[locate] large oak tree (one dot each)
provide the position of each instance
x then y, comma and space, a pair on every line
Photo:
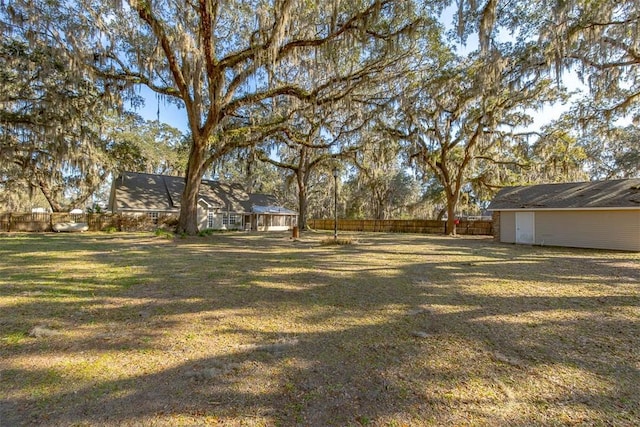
223, 62
50, 142
460, 121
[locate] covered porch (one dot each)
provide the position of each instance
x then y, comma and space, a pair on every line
270, 218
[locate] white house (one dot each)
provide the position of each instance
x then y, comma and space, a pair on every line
220, 206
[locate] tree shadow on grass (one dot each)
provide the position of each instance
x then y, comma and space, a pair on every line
289, 335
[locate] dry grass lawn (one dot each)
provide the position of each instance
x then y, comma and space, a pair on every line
257, 329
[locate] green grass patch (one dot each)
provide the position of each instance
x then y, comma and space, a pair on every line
166, 234
15, 338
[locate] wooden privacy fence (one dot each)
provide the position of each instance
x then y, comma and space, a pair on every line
10, 222
421, 226
45, 221
122, 222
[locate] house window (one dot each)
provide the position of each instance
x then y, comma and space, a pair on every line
230, 219
153, 216
210, 219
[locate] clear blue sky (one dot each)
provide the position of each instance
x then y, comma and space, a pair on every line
169, 113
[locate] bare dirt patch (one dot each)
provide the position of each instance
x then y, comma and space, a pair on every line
258, 329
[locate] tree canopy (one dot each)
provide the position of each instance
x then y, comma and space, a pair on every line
379, 85
50, 123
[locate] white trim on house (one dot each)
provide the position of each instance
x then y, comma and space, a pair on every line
209, 205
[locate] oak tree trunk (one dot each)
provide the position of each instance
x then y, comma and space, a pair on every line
51, 199
302, 198
188, 220
452, 202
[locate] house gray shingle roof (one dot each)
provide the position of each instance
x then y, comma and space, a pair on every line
136, 191
148, 192
621, 193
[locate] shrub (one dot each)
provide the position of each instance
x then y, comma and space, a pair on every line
339, 241
206, 232
168, 221
163, 233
